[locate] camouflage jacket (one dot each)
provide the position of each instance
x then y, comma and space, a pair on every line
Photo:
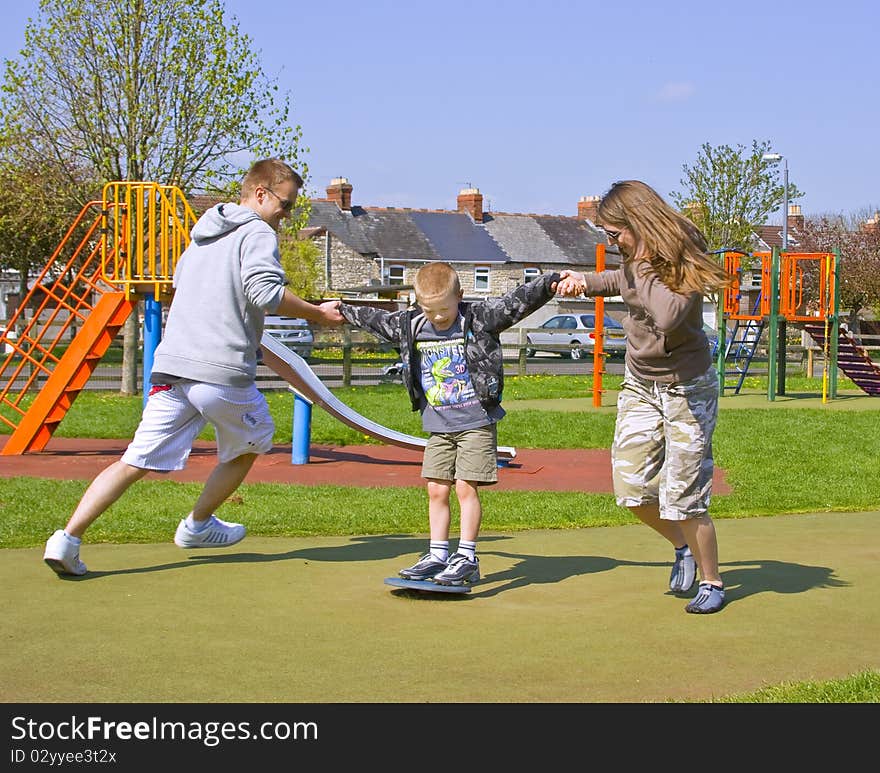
483, 323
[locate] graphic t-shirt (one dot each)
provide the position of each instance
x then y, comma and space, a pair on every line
449, 402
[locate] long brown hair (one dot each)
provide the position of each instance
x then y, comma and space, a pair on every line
676, 247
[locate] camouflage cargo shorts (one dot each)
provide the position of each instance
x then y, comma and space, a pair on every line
662, 450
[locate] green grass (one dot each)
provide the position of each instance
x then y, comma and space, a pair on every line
863, 687
777, 461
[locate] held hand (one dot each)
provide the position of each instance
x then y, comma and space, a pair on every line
572, 283
330, 313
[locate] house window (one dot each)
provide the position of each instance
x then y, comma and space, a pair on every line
481, 279
530, 273
395, 275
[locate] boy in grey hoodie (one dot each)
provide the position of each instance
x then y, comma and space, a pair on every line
205, 367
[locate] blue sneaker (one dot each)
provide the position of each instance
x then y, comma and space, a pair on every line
709, 598
684, 571
461, 571
423, 569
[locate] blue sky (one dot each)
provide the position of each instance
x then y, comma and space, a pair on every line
538, 104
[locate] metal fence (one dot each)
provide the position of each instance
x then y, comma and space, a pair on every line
348, 357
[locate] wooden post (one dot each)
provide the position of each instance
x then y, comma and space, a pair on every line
346, 356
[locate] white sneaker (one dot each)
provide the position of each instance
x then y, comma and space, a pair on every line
217, 534
62, 555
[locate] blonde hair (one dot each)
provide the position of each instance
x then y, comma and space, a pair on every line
434, 280
267, 173
676, 247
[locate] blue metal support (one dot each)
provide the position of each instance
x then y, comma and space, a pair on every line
302, 429
152, 337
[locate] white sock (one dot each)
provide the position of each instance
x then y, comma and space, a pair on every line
194, 525
440, 549
468, 549
74, 540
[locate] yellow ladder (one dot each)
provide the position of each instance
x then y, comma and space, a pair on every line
117, 250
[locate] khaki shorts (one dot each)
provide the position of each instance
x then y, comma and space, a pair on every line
662, 451
470, 455
173, 419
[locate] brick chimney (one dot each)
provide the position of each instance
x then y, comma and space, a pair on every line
470, 200
588, 208
339, 191
795, 218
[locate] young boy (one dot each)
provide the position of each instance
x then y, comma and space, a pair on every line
454, 373
205, 367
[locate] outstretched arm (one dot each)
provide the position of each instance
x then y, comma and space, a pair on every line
326, 313
384, 324
591, 283
501, 313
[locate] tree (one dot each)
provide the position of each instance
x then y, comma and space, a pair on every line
36, 211
858, 238
301, 261
167, 91
728, 191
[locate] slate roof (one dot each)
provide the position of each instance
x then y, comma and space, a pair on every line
346, 226
523, 239
416, 235
396, 237
576, 238
425, 235
457, 238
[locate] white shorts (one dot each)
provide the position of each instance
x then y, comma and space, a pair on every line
173, 418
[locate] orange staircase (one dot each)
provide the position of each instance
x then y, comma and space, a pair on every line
70, 374
117, 249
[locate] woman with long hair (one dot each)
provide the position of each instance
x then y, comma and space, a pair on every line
668, 404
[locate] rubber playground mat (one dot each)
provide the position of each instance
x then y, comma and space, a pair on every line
533, 469
560, 616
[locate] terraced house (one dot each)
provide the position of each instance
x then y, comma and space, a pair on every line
375, 251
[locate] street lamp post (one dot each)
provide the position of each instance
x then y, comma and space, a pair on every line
781, 353
779, 157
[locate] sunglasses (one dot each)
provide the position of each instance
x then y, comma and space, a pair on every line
286, 204
612, 234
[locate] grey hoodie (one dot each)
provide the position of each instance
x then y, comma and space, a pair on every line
224, 283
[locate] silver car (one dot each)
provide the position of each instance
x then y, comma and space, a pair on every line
293, 332
573, 335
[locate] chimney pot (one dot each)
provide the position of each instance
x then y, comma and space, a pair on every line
339, 191
795, 218
588, 208
470, 200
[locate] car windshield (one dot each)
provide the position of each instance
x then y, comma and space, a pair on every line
589, 321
